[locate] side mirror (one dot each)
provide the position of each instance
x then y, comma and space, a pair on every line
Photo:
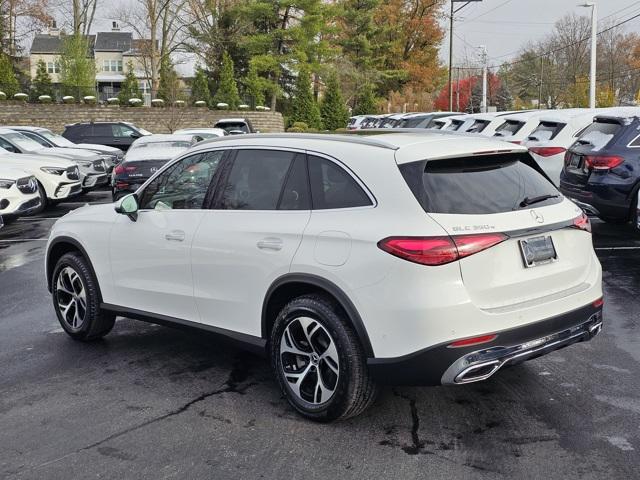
134, 135
128, 206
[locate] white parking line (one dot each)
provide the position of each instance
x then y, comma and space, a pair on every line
35, 219
616, 248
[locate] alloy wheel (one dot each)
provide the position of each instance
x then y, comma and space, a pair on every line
71, 298
309, 360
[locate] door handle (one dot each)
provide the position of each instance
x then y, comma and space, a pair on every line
270, 243
175, 236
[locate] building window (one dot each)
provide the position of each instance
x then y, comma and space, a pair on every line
53, 67
112, 65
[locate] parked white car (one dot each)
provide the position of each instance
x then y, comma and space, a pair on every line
48, 139
403, 258
517, 127
18, 193
355, 122
58, 179
204, 133
92, 168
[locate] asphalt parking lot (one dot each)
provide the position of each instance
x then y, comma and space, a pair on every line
152, 402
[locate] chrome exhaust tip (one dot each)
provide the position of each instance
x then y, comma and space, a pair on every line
478, 372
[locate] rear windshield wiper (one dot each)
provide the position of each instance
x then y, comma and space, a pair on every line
584, 142
531, 200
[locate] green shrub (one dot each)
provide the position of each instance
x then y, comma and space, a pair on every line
301, 125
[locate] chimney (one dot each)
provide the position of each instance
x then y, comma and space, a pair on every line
115, 27
53, 29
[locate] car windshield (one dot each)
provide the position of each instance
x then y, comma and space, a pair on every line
509, 128
233, 126
546, 131
57, 140
599, 134
478, 185
23, 142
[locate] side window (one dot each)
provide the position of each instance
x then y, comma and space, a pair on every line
35, 138
184, 185
6, 145
635, 142
101, 130
333, 187
256, 179
295, 195
121, 131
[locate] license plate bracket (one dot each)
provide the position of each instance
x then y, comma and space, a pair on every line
538, 251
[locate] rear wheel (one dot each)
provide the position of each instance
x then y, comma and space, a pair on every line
319, 362
76, 299
43, 198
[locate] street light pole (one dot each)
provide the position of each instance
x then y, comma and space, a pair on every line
451, 14
594, 46
483, 107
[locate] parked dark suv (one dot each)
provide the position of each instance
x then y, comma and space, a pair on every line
113, 134
602, 169
236, 126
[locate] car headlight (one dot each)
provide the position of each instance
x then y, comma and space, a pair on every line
86, 164
4, 183
53, 170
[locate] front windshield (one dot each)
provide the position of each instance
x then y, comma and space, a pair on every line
23, 142
57, 140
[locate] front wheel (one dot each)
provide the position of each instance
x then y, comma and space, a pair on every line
319, 362
76, 299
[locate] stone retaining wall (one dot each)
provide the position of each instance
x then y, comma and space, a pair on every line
156, 120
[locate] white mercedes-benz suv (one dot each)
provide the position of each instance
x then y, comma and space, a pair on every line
404, 258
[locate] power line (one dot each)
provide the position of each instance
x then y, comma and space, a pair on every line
559, 49
488, 11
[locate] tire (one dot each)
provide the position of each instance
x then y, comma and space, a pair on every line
42, 193
74, 286
322, 383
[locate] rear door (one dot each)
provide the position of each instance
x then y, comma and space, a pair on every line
541, 255
593, 140
249, 237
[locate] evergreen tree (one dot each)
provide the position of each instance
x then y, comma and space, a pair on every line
168, 86
333, 110
254, 86
365, 101
227, 91
8, 81
504, 97
200, 87
41, 84
77, 69
304, 107
129, 88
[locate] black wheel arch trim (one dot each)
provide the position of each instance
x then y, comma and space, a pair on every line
335, 291
79, 247
251, 343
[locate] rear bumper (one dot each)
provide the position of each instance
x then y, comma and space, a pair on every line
442, 365
95, 180
600, 199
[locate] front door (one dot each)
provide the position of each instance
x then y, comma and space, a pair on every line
151, 257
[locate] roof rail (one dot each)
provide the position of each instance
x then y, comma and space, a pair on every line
359, 139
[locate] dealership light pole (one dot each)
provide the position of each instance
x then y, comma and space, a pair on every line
484, 106
453, 12
594, 46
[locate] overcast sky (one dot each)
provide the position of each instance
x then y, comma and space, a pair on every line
504, 26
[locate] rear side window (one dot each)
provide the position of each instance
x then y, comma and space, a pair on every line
599, 134
546, 131
478, 185
333, 187
454, 125
508, 128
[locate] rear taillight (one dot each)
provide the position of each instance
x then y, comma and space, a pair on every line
603, 162
582, 223
122, 168
598, 303
516, 142
439, 250
547, 151
567, 158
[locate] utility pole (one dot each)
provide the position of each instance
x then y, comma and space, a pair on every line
451, 17
483, 106
594, 46
540, 86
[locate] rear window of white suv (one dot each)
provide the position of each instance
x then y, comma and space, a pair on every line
479, 185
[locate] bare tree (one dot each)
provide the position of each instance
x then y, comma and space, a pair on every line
158, 25
20, 19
